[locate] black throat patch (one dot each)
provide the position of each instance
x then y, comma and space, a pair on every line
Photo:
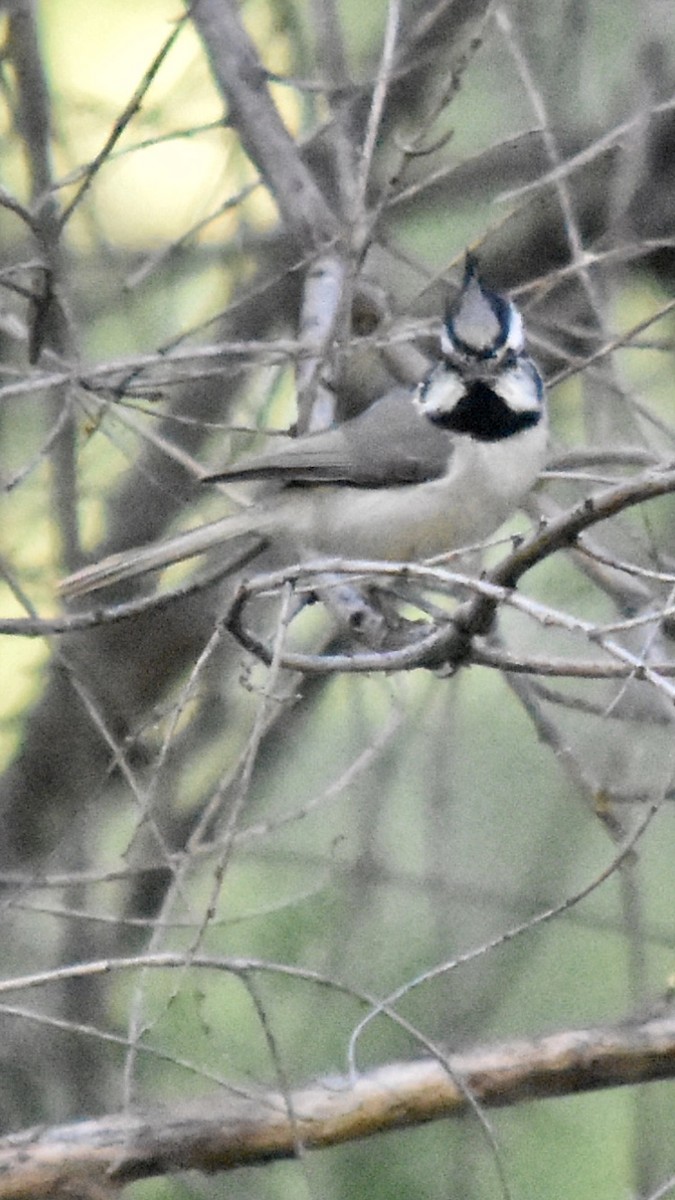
484, 415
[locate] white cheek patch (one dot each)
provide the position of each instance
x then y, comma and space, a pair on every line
520, 386
440, 392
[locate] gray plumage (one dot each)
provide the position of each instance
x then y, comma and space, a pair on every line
355, 453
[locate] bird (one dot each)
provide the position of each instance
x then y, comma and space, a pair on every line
421, 472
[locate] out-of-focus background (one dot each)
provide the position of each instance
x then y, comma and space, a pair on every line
157, 794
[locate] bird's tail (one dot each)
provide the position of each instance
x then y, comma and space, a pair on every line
129, 563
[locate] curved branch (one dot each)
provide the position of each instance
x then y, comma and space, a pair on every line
450, 644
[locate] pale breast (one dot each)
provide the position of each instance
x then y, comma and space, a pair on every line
415, 521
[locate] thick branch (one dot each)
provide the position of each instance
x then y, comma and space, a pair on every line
230, 1131
242, 79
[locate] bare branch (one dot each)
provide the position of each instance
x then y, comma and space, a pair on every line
229, 1131
243, 82
450, 644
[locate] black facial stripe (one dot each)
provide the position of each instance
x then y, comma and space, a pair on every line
484, 415
468, 351
500, 307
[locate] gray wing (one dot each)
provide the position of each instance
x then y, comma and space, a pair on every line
391, 443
